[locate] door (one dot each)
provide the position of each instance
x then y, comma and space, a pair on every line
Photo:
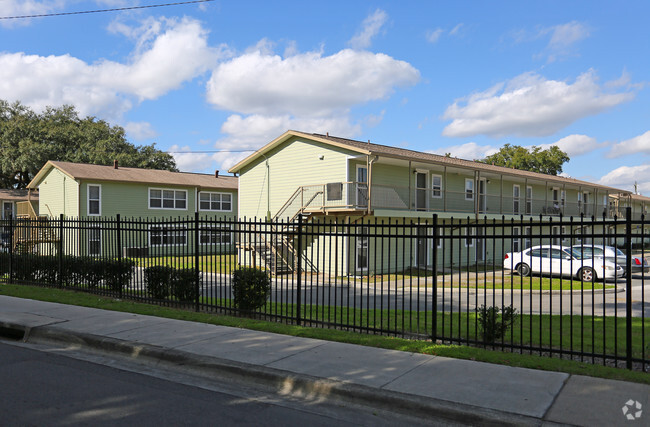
482, 198
7, 210
361, 251
362, 186
420, 191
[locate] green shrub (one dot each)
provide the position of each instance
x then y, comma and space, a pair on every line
493, 326
117, 274
157, 281
250, 288
183, 284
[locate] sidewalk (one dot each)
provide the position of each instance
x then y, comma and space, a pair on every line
459, 390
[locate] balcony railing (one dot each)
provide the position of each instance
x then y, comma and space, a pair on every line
357, 195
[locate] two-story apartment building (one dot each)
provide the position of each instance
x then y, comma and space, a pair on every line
92, 193
329, 177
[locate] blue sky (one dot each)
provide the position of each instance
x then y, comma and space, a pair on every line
459, 77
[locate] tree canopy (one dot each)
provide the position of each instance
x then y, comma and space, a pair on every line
547, 161
28, 140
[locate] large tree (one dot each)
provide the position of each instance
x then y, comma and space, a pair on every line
547, 161
28, 140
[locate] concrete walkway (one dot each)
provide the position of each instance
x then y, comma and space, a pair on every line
460, 391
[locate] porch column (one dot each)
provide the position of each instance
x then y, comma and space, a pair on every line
409, 177
477, 177
444, 193
501, 196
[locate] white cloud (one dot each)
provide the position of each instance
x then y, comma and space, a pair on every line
140, 130
307, 84
456, 30
26, 8
576, 145
370, 28
468, 151
563, 37
626, 176
433, 36
529, 105
169, 53
191, 162
637, 145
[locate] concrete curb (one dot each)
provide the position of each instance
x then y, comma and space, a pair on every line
279, 381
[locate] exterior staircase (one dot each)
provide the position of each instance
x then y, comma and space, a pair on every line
31, 230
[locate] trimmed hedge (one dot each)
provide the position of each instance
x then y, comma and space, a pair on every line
162, 282
250, 288
72, 270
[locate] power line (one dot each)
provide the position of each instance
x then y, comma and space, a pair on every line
45, 15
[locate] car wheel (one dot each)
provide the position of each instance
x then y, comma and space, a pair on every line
523, 269
586, 274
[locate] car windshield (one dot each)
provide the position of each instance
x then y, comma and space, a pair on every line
619, 252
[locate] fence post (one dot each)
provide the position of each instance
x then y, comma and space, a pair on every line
299, 272
59, 277
11, 248
197, 271
118, 240
628, 286
434, 303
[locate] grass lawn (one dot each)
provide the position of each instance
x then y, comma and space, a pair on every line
219, 264
528, 329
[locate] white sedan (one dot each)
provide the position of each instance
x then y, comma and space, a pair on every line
561, 261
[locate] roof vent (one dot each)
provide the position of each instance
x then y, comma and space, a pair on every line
115, 164
216, 173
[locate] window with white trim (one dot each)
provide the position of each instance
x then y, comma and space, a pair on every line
221, 202
436, 186
516, 241
160, 198
529, 200
94, 199
469, 237
217, 235
165, 235
94, 240
528, 232
516, 193
469, 189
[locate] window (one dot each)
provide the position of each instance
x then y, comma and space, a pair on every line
529, 200
527, 240
436, 186
469, 237
215, 236
94, 200
516, 241
94, 240
167, 199
469, 189
163, 235
215, 202
515, 198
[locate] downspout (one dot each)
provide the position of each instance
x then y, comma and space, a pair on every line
370, 181
409, 180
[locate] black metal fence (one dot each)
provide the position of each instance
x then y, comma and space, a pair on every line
442, 279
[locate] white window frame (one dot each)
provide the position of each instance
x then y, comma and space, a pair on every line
162, 199
167, 228
529, 200
516, 241
436, 188
220, 230
95, 228
88, 200
469, 188
516, 198
528, 238
221, 202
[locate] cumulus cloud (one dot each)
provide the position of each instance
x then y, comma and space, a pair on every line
468, 151
529, 105
369, 29
191, 162
626, 176
637, 145
307, 84
576, 145
140, 130
169, 53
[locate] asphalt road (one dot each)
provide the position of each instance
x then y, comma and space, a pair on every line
46, 388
